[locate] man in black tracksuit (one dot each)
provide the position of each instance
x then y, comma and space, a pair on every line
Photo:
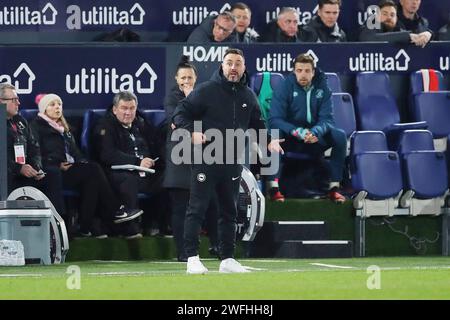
224, 102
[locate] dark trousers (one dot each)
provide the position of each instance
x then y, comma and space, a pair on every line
336, 139
128, 184
96, 194
179, 201
224, 180
51, 185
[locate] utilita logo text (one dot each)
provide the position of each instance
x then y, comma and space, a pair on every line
23, 74
379, 62
194, 15
109, 80
304, 16
275, 62
444, 63
19, 16
103, 16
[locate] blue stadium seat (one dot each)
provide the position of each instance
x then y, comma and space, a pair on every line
344, 112
334, 82
375, 175
376, 108
28, 114
91, 117
424, 80
425, 176
418, 84
155, 116
434, 108
256, 80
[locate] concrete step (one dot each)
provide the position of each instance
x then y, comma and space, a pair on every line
278, 231
315, 249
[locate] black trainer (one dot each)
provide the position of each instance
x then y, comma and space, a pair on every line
123, 215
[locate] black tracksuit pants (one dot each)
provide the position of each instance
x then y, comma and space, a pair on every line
179, 201
205, 180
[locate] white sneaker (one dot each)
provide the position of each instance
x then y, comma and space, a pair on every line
231, 266
195, 266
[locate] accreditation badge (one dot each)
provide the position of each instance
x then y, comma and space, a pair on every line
19, 153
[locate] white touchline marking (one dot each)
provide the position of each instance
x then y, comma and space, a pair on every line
331, 266
20, 275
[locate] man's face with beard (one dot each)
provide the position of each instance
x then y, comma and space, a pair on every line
233, 67
388, 17
304, 72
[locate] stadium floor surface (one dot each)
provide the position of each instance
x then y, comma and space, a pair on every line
270, 279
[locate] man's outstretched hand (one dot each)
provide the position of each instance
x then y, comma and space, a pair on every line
274, 146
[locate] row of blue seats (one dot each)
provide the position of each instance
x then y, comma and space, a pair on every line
413, 180
376, 108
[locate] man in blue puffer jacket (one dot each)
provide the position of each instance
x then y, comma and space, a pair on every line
302, 110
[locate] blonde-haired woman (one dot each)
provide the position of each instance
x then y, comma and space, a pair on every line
58, 149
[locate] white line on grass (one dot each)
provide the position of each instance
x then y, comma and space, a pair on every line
331, 266
19, 275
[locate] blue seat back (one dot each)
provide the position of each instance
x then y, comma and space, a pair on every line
28, 114
91, 117
425, 173
155, 116
344, 112
417, 83
376, 108
434, 108
256, 81
414, 140
378, 173
334, 82
365, 141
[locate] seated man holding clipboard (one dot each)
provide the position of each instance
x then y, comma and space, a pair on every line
127, 150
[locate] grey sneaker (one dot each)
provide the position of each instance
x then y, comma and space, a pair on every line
123, 215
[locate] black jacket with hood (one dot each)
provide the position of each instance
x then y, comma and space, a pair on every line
317, 31
220, 104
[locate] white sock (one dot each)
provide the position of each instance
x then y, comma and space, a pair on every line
334, 184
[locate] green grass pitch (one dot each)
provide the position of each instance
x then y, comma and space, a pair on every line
270, 279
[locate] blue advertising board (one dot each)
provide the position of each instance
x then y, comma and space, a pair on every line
88, 75
176, 19
85, 77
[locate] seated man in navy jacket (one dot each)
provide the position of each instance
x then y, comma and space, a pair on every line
302, 110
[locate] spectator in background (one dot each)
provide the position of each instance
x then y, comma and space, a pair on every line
444, 32
409, 19
60, 151
302, 110
324, 27
388, 28
24, 154
215, 29
284, 28
243, 16
177, 178
124, 137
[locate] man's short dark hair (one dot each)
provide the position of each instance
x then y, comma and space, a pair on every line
324, 2
240, 5
233, 51
304, 58
387, 3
